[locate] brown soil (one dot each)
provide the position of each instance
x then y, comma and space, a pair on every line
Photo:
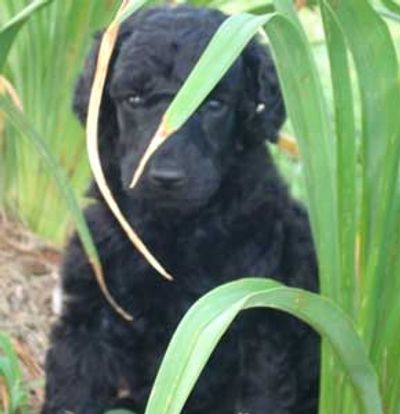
28, 275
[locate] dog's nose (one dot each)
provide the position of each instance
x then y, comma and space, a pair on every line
166, 177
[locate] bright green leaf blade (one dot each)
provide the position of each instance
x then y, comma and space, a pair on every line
333, 381
6, 371
224, 48
9, 31
376, 65
22, 124
240, 6
307, 109
392, 6
210, 317
346, 156
387, 14
10, 373
11, 364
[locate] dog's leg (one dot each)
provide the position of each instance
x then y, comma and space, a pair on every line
81, 370
272, 348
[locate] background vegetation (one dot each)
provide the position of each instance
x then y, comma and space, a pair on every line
340, 76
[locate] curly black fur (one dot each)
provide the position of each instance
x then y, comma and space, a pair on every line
212, 207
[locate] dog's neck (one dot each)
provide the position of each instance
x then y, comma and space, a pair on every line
246, 208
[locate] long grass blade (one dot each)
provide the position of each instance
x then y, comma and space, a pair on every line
333, 395
22, 124
308, 112
7, 88
203, 326
106, 49
377, 65
392, 6
9, 31
346, 156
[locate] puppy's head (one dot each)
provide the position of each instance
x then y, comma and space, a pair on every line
156, 50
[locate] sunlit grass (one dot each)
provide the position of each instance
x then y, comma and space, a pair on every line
43, 66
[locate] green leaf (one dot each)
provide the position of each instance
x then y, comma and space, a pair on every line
387, 14
333, 383
226, 45
346, 155
10, 373
22, 124
307, 109
9, 362
6, 371
210, 317
392, 6
240, 6
376, 64
10, 30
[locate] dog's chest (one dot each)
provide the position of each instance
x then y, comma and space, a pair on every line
210, 259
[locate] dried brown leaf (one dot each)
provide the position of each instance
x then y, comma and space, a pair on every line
6, 87
106, 49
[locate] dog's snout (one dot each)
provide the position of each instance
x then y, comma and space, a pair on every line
166, 177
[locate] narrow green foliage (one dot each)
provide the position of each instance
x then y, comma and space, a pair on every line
204, 325
308, 112
392, 6
250, 6
223, 50
345, 155
11, 29
388, 14
378, 76
28, 132
11, 377
43, 65
346, 193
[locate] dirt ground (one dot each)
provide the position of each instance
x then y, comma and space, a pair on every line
28, 275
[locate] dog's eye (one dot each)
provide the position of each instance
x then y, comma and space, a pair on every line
215, 104
134, 101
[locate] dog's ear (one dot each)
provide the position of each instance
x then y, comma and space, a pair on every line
263, 105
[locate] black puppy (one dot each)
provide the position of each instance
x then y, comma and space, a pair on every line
212, 207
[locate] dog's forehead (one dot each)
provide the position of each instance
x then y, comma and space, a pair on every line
167, 46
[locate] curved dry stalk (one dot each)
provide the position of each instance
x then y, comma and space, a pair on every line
106, 49
7, 87
98, 272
